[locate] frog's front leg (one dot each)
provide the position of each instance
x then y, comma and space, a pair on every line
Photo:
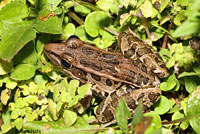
105, 111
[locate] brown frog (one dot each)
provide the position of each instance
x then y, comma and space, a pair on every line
132, 74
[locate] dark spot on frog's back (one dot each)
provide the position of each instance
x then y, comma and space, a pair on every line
106, 55
136, 62
65, 64
143, 51
153, 96
130, 76
113, 62
108, 82
91, 65
87, 51
96, 77
129, 52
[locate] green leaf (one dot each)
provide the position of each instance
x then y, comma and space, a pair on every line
138, 114
177, 115
14, 37
69, 117
5, 67
179, 18
163, 105
122, 114
31, 116
170, 83
5, 95
84, 89
73, 85
5, 127
155, 124
40, 78
23, 72
95, 22
147, 9
18, 123
193, 109
48, 4
190, 83
187, 28
164, 3
48, 22
26, 55
52, 109
105, 4
13, 11
182, 2
68, 30
82, 34
59, 127
82, 10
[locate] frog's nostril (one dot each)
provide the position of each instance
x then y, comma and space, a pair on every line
73, 36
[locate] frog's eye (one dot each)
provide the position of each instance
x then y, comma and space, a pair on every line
73, 36
73, 42
65, 64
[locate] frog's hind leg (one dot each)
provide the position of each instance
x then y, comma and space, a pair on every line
105, 111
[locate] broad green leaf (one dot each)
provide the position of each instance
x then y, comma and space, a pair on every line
164, 3
23, 72
147, 9
138, 114
18, 123
59, 127
193, 110
163, 105
42, 40
40, 78
155, 124
177, 115
5, 127
31, 116
5, 67
179, 18
5, 96
122, 114
82, 10
11, 84
48, 4
48, 22
84, 89
82, 34
187, 74
190, 83
14, 11
183, 2
14, 114
14, 37
170, 83
72, 87
26, 55
105, 4
69, 117
187, 28
95, 22
52, 109
68, 30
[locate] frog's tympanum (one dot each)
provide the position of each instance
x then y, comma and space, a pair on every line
133, 74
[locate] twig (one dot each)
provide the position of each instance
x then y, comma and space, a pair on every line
166, 36
76, 18
86, 4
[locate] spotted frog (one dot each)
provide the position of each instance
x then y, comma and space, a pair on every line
132, 73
